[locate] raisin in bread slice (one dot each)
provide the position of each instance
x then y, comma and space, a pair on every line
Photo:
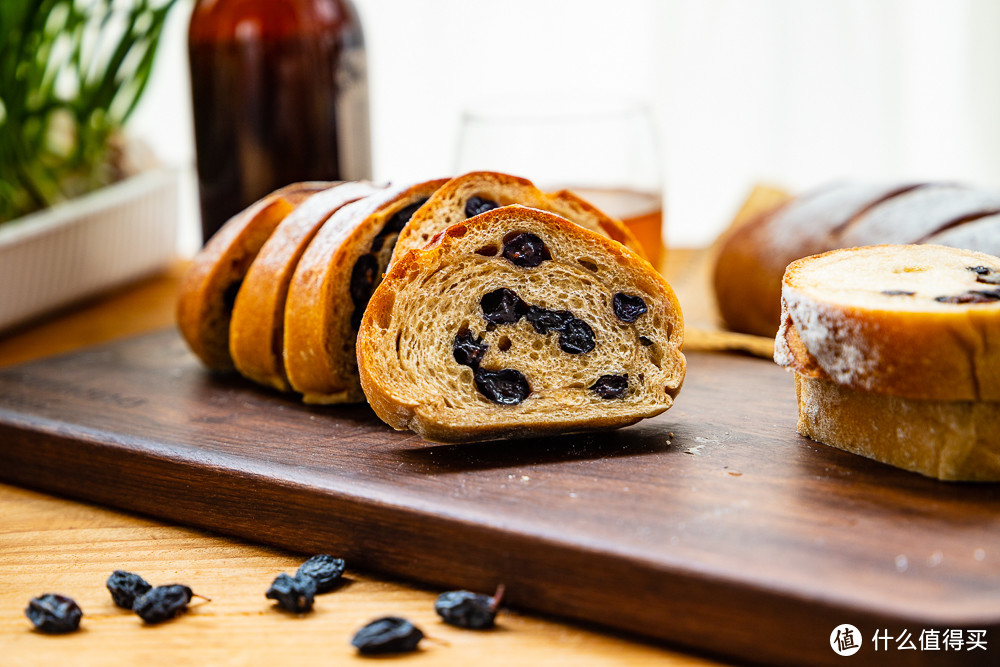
256, 332
331, 286
209, 287
518, 323
896, 354
916, 321
477, 192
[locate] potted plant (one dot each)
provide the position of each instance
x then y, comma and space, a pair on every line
81, 209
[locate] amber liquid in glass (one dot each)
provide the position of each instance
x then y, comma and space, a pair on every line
642, 213
279, 94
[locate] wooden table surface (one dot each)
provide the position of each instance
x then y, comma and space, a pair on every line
51, 544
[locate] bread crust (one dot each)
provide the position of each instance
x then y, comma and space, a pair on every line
397, 396
319, 341
204, 303
752, 258
257, 330
447, 207
946, 440
908, 346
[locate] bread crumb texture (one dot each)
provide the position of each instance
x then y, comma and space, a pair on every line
414, 376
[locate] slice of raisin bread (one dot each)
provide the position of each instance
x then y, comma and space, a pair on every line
915, 321
896, 354
256, 331
518, 323
209, 287
331, 286
477, 192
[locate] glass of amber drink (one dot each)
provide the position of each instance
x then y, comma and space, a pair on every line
605, 151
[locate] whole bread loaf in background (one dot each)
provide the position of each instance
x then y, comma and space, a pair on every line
751, 258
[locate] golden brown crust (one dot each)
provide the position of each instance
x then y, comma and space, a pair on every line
447, 207
947, 440
256, 332
319, 341
205, 299
873, 319
444, 281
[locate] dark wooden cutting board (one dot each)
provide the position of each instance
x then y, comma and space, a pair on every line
713, 526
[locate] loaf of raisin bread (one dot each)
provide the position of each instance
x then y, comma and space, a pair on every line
331, 286
209, 287
896, 355
257, 329
477, 192
752, 258
518, 323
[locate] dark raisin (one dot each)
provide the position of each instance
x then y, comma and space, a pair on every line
363, 277
502, 306
466, 609
390, 634
229, 295
972, 296
645, 341
162, 603
125, 587
324, 569
897, 292
295, 594
576, 337
476, 205
980, 270
524, 249
401, 217
54, 614
506, 386
627, 307
544, 320
469, 351
611, 386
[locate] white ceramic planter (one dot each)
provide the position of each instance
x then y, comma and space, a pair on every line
57, 256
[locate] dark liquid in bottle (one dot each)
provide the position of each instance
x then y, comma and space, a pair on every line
273, 106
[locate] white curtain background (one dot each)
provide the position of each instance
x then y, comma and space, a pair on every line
787, 92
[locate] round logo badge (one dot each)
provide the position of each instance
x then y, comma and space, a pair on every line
845, 639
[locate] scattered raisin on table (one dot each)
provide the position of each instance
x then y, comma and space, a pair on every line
324, 569
476, 205
125, 587
628, 307
466, 609
161, 603
54, 614
525, 249
389, 634
296, 594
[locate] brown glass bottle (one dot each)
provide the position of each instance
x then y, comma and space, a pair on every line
280, 95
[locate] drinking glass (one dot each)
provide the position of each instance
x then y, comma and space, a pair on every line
604, 151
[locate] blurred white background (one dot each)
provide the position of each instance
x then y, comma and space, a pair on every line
786, 92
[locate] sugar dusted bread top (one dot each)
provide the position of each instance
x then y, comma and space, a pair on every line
914, 321
519, 323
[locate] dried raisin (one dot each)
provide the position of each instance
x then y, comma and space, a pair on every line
54, 614
466, 609
162, 603
576, 337
363, 277
628, 307
476, 205
296, 594
390, 634
502, 306
544, 320
525, 249
125, 587
467, 350
506, 386
611, 386
324, 569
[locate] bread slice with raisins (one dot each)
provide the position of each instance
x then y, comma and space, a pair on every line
257, 329
331, 286
477, 192
209, 287
519, 323
896, 354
